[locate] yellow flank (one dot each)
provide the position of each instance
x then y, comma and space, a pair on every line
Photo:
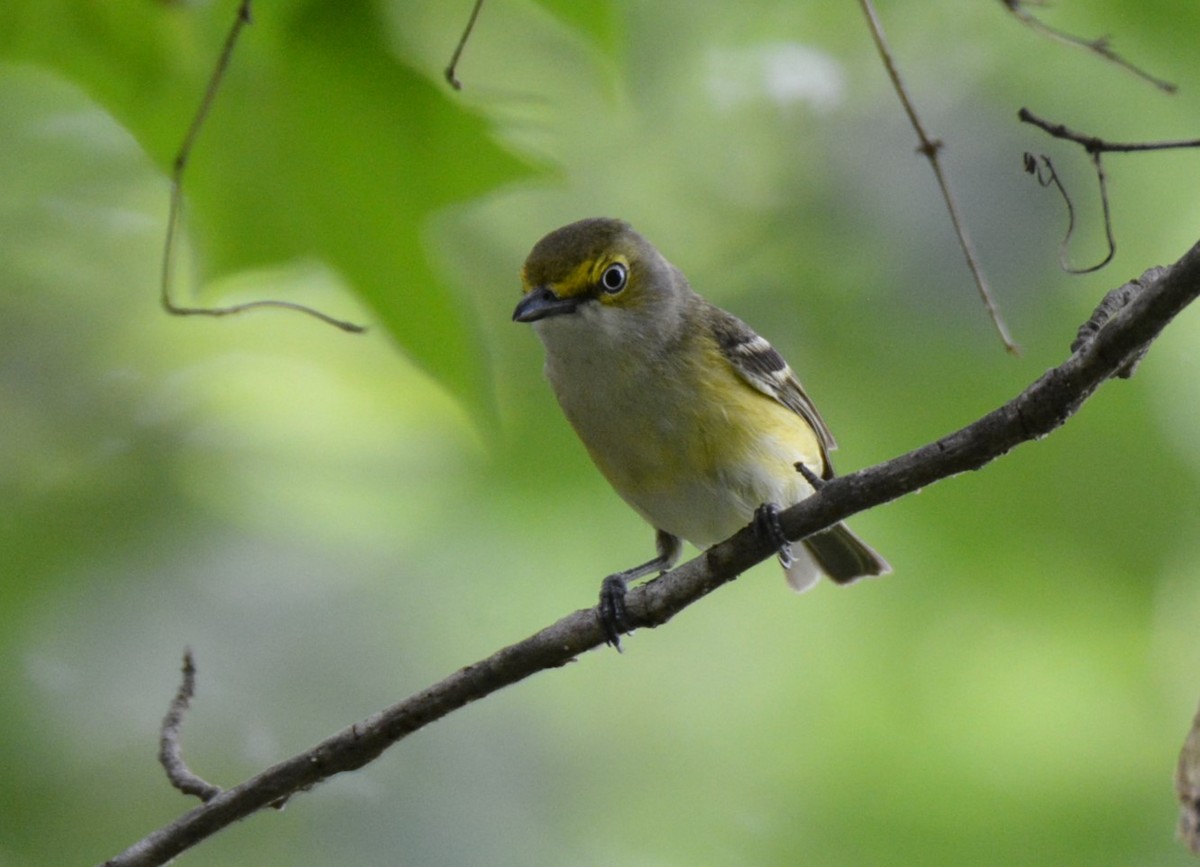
699, 468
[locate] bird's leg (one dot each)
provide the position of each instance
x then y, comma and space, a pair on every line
766, 524
611, 611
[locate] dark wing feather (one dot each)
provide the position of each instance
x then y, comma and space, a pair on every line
763, 368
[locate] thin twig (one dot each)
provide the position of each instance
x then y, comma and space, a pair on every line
170, 753
930, 148
1099, 46
1040, 409
452, 67
175, 213
1093, 144
1041, 168
1095, 147
1106, 211
809, 476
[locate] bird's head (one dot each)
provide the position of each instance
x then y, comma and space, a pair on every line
593, 268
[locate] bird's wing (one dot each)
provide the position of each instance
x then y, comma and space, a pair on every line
763, 368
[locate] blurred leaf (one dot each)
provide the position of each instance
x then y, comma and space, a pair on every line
320, 145
597, 18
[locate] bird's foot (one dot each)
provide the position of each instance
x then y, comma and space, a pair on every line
611, 611
767, 525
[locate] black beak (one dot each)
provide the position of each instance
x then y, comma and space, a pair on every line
540, 302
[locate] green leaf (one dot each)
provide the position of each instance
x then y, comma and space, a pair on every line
321, 145
597, 18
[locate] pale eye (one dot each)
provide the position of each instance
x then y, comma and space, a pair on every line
614, 278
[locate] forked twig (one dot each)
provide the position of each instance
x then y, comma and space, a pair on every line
930, 147
176, 209
1099, 46
1094, 147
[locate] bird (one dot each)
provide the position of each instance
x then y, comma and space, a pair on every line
695, 420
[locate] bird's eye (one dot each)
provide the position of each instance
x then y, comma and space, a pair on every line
614, 278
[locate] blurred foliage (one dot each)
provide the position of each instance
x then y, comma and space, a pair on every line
334, 522
320, 145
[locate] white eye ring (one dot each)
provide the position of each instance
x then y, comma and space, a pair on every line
614, 278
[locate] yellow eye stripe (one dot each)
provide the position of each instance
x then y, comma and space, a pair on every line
585, 277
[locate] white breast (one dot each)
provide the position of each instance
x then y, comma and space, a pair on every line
652, 441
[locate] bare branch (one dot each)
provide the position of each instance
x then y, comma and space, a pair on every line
1093, 144
1187, 788
170, 754
452, 66
930, 148
1108, 307
175, 213
1115, 337
1099, 46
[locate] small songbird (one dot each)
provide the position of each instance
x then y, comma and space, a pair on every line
694, 419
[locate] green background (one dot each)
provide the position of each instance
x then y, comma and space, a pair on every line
333, 522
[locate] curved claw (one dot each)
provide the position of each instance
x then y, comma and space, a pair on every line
766, 522
611, 611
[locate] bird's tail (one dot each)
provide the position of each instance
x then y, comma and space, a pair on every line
837, 553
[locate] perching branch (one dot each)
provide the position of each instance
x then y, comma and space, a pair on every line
1187, 788
930, 148
1122, 329
175, 213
